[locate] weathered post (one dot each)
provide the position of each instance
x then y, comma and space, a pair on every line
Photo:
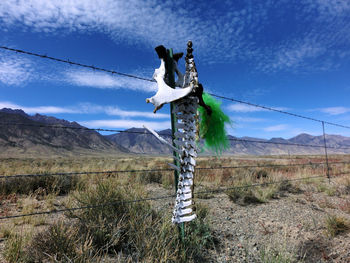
184, 96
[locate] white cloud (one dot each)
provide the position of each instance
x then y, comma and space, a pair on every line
151, 22
280, 127
126, 124
107, 81
328, 8
239, 107
39, 109
14, 70
84, 108
291, 55
247, 119
240, 28
116, 111
335, 110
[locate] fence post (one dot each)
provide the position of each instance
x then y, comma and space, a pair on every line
171, 82
325, 151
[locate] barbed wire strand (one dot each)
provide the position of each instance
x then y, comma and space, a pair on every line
167, 170
165, 134
279, 111
75, 128
67, 61
164, 197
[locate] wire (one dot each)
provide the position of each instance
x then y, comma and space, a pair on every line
279, 111
163, 197
82, 173
88, 207
165, 170
263, 184
163, 134
74, 128
75, 63
151, 80
286, 143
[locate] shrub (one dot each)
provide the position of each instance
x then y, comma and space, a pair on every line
336, 225
45, 184
275, 256
58, 242
135, 229
13, 251
244, 195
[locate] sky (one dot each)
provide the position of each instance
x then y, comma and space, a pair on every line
291, 55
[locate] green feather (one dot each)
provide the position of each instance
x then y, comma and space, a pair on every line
212, 127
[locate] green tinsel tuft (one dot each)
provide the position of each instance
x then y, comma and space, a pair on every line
212, 127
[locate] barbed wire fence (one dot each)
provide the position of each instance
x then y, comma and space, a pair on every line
326, 164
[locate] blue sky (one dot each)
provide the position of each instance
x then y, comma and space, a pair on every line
292, 55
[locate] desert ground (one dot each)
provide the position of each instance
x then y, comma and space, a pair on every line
270, 210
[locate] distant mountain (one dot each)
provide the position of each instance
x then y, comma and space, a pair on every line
24, 137
29, 139
140, 141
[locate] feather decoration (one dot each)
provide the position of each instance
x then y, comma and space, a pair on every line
212, 127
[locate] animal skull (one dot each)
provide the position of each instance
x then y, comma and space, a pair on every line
166, 94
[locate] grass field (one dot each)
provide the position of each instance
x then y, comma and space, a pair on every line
142, 231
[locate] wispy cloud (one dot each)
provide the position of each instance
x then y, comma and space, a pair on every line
107, 81
116, 111
328, 8
126, 124
239, 107
276, 128
14, 70
291, 55
243, 108
84, 108
240, 28
38, 109
335, 110
247, 119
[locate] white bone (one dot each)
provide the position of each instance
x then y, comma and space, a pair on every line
183, 219
185, 144
184, 190
185, 126
182, 212
179, 134
192, 152
188, 168
186, 175
187, 182
165, 94
180, 143
190, 160
183, 197
174, 167
161, 139
183, 204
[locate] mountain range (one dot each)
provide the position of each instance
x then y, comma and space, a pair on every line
23, 134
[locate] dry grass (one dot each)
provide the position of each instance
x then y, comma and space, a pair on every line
336, 225
139, 231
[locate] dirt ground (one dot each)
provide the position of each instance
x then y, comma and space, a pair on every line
289, 228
